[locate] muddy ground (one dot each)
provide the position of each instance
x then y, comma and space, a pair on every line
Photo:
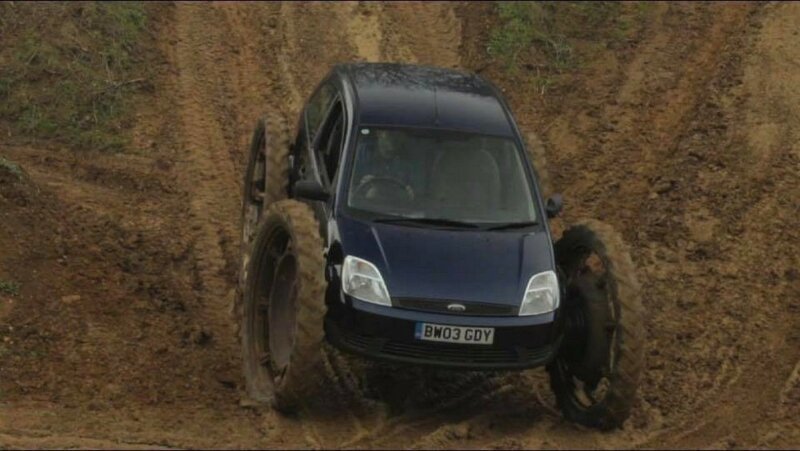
686, 139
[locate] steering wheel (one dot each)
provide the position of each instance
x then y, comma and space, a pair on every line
375, 182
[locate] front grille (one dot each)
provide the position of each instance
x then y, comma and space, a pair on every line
444, 353
440, 306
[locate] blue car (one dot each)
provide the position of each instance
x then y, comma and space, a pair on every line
405, 223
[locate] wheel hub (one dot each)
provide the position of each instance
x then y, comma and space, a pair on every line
589, 332
282, 313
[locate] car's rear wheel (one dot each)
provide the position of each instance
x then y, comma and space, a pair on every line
283, 307
265, 182
596, 373
266, 179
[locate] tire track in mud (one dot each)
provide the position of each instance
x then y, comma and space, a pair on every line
207, 170
643, 144
289, 47
672, 132
429, 36
365, 17
761, 169
746, 231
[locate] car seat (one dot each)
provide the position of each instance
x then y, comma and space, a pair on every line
466, 179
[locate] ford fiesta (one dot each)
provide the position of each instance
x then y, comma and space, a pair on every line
405, 223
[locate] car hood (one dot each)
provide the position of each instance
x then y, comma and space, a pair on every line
447, 264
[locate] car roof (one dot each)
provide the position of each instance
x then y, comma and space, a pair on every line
393, 94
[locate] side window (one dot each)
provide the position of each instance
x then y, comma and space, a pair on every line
329, 145
317, 107
335, 147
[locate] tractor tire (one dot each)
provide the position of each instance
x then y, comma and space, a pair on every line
284, 307
596, 373
266, 181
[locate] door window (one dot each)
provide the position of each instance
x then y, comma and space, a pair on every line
330, 142
316, 109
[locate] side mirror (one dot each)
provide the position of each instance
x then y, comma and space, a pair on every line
310, 190
554, 205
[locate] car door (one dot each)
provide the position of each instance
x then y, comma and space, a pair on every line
303, 164
327, 150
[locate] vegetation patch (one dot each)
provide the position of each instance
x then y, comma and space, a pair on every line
9, 287
68, 71
555, 37
10, 166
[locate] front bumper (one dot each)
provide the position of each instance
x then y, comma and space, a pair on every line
384, 333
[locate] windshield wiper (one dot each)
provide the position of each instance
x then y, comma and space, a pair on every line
512, 225
431, 221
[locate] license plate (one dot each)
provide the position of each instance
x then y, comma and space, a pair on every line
454, 334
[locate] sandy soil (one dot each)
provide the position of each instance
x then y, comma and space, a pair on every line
687, 140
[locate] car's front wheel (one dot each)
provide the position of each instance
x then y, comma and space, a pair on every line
596, 373
283, 307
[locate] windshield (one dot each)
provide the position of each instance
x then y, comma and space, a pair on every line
435, 174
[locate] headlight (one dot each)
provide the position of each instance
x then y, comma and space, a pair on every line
362, 280
541, 295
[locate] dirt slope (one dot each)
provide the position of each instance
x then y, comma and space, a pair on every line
687, 141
